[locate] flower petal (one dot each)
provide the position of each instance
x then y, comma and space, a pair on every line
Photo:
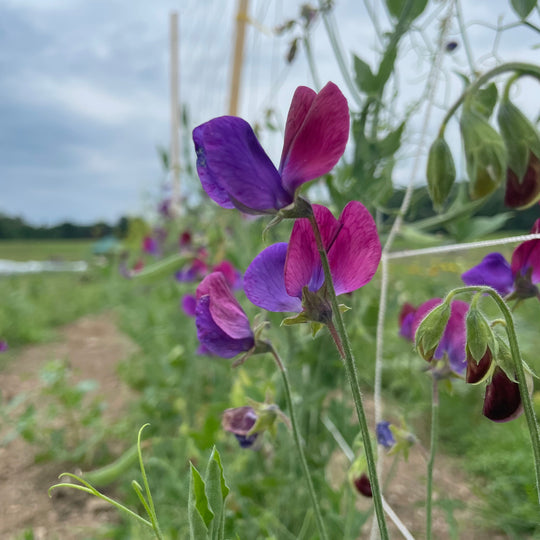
225, 310
522, 193
494, 271
213, 338
355, 254
454, 338
314, 147
264, 282
502, 401
233, 166
303, 266
189, 304
527, 255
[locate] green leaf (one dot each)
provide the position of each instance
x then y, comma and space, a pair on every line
397, 8
200, 515
386, 67
365, 80
217, 491
391, 142
163, 268
523, 7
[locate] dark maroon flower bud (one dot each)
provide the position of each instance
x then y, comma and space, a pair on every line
502, 401
363, 485
478, 371
523, 192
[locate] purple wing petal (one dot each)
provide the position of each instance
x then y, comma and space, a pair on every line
189, 304
493, 271
213, 338
355, 254
320, 140
225, 310
454, 337
303, 266
233, 166
264, 282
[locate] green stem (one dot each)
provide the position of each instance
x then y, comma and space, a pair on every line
530, 416
350, 369
298, 442
311, 62
524, 68
432, 452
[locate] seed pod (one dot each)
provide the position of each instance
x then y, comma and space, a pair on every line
441, 172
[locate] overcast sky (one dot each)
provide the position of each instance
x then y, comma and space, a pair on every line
84, 88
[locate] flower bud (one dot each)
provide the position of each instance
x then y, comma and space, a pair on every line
431, 330
520, 138
441, 172
479, 334
363, 485
485, 154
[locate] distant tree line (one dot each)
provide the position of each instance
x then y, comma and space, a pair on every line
17, 228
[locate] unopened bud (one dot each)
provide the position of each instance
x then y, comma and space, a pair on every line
431, 329
485, 154
441, 172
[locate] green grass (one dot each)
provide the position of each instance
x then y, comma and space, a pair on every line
43, 250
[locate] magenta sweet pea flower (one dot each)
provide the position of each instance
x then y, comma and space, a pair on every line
222, 326
518, 279
275, 278
232, 275
236, 172
452, 343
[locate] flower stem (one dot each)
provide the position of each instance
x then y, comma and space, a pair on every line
298, 442
350, 369
432, 452
530, 416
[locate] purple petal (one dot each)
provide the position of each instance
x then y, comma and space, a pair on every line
232, 275
233, 166
189, 304
213, 338
355, 254
315, 139
406, 317
455, 337
238, 420
225, 310
494, 271
385, 437
264, 282
502, 401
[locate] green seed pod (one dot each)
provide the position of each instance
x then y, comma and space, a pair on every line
520, 137
441, 172
485, 154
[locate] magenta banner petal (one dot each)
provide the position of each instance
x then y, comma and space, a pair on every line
356, 251
233, 166
303, 266
320, 140
224, 308
301, 103
264, 282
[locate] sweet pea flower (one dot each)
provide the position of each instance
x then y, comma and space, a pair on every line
150, 245
523, 192
406, 317
275, 278
239, 421
516, 279
452, 343
236, 172
385, 437
3, 345
222, 326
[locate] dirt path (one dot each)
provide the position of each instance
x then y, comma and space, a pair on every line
93, 347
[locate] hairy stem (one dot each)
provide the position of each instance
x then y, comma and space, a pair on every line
432, 453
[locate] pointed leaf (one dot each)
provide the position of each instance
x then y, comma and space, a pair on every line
200, 515
523, 7
216, 490
365, 80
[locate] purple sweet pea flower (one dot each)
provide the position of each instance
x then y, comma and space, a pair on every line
3, 345
406, 317
150, 245
518, 279
189, 304
275, 278
385, 436
454, 337
239, 422
222, 326
232, 275
235, 171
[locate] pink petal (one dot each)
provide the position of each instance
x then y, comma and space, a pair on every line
303, 266
355, 254
314, 147
527, 255
224, 308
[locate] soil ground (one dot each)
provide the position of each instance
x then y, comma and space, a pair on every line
94, 346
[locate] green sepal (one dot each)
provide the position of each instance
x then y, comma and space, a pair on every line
165, 267
504, 359
431, 329
479, 334
441, 172
343, 308
520, 137
485, 153
301, 318
316, 327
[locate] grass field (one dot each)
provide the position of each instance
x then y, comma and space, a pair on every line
43, 250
